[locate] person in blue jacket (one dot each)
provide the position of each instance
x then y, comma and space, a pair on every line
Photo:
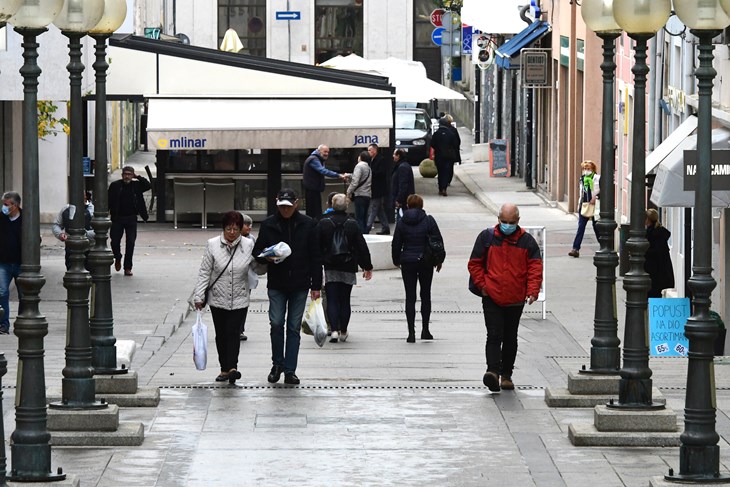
313, 176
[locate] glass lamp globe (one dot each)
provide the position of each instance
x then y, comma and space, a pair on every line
115, 11
8, 8
36, 14
641, 16
598, 15
79, 15
702, 14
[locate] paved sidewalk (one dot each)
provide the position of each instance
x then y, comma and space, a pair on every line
374, 410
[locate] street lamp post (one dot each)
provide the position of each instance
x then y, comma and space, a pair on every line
103, 349
30, 442
699, 453
77, 386
640, 19
605, 352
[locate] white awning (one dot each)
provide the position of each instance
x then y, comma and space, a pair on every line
667, 146
267, 123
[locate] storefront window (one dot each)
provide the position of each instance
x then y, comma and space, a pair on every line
338, 27
339, 160
248, 19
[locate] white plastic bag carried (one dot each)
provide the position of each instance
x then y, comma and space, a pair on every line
279, 251
200, 342
316, 321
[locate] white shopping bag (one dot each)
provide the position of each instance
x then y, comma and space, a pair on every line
316, 321
200, 342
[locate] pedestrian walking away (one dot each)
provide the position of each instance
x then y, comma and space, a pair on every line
126, 202
378, 192
409, 252
343, 249
223, 283
289, 280
313, 174
11, 222
505, 267
446, 146
359, 189
658, 263
402, 183
589, 190
63, 222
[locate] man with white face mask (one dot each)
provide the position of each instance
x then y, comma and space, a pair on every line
10, 249
506, 268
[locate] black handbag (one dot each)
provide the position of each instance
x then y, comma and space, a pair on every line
434, 253
210, 286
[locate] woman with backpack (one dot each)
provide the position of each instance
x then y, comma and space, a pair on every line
343, 249
412, 253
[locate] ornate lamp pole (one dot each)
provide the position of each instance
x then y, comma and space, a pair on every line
78, 387
605, 352
699, 453
30, 442
103, 349
640, 19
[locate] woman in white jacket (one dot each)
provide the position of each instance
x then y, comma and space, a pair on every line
359, 190
589, 189
224, 275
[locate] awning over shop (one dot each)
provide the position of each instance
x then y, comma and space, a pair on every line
667, 146
510, 49
267, 123
669, 183
490, 19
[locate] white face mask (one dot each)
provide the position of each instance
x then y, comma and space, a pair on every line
587, 172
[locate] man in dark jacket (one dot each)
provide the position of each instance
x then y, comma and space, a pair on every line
313, 176
126, 201
506, 265
446, 147
11, 221
378, 190
402, 183
289, 280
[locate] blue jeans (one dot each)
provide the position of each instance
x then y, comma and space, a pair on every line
278, 301
582, 222
362, 203
8, 272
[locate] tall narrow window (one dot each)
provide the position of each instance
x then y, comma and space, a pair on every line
338, 28
248, 19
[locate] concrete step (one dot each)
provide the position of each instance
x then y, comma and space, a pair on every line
117, 383
69, 481
586, 434
593, 384
106, 419
562, 398
145, 397
129, 433
608, 419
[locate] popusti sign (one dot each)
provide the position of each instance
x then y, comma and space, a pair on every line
436, 17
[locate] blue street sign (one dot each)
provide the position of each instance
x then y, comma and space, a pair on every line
291, 15
437, 35
466, 33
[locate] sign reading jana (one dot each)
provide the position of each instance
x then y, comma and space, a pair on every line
720, 170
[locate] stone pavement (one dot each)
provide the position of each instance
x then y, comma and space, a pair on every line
374, 410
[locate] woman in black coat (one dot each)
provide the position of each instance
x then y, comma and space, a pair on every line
340, 268
658, 262
409, 245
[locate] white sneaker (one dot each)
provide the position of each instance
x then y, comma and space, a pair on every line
343, 336
334, 337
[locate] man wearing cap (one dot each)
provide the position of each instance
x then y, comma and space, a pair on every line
313, 179
125, 203
289, 281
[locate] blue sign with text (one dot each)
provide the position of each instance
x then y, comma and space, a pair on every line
288, 15
667, 317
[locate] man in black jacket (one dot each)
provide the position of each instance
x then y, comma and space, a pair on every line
446, 145
289, 281
125, 203
403, 184
378, 190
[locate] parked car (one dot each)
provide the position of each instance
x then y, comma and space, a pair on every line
413, 133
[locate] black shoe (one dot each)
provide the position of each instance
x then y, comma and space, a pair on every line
243, 337
222, 377
383, 232
411, 338
426, 335
491, 380
275, 374
233, 374
291, 378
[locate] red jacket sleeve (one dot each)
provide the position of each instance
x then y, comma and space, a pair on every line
477, 261
534, 268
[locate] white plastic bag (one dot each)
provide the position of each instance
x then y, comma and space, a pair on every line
279, 251
200, 342
316, 321
253, 279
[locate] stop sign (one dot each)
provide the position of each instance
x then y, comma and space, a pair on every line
436, 17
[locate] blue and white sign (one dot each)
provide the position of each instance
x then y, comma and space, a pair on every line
667, 317
289, 15
466, 35
437, 35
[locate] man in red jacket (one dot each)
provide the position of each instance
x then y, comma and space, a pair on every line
506, 266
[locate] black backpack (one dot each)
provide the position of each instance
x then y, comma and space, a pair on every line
339, 252
434, 253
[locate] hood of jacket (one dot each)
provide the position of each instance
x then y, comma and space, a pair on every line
413, 216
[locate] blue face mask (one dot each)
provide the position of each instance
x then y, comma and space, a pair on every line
508, 228
6, 210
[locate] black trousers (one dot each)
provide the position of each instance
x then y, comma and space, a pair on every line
417, 273
502, 323
338, 305
126, 225
313, 201
445, 174
227, 324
